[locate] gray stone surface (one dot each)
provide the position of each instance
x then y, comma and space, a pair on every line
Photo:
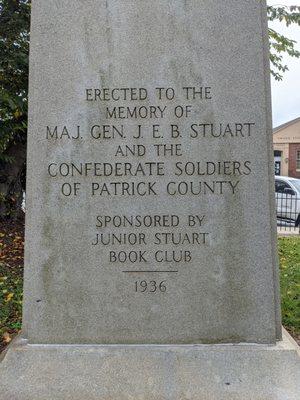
97, 326
200, 372
223, 290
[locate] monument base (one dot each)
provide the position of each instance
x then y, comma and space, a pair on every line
151, 372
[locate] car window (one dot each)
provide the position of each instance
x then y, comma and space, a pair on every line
280, 186
296, 183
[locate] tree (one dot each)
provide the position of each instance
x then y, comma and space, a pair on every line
279, 44
14, 51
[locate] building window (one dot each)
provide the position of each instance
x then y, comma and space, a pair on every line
277, 160
298, 161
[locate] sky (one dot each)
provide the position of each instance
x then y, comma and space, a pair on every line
286, 93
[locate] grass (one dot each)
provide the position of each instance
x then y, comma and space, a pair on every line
11, 279
11, 288
11, 283
289, 254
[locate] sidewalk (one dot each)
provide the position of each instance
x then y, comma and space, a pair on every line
287, 231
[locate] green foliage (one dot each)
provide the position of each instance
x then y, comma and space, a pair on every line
14, 51
289, 253
11, 288
279, 44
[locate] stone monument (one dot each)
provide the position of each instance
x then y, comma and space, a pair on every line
151, 268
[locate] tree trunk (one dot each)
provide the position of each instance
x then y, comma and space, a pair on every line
12, 182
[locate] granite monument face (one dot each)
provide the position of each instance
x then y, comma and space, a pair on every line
150, 211
149, 203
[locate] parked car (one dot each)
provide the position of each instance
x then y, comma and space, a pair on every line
287, 192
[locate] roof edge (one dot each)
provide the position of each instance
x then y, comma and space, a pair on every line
286, 124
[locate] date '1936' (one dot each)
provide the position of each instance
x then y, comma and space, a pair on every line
150, 287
